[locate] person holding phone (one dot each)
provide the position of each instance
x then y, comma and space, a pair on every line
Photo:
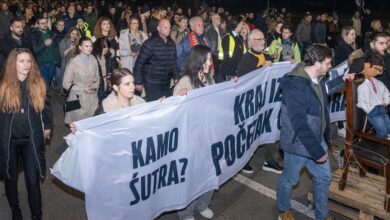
83, 73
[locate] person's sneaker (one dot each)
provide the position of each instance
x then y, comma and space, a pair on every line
247, 169
287, 215
207, 213
273, 167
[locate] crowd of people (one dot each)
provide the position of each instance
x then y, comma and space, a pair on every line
116, 56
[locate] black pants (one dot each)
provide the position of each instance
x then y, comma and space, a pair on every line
25, 149
218, 78
156, 91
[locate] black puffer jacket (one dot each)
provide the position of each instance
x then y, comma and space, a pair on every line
156, 62
36, 123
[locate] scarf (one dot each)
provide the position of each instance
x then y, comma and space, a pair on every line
194, 39
260, 56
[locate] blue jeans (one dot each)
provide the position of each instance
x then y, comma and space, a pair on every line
58, 76
47, 72
380, 120
293, 164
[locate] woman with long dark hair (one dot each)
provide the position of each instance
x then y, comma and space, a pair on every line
196, 75
101, 51
23, 111
82, 78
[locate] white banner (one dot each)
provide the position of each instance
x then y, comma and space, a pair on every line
139, 162
336, 103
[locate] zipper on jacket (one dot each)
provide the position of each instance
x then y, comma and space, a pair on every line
9, 144
32, 140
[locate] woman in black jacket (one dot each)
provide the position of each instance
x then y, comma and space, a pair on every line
23, 111
346, 46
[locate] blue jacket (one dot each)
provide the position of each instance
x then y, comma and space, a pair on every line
301, 115
319, 32
184, 47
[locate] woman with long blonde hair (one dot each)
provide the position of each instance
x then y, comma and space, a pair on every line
23, 111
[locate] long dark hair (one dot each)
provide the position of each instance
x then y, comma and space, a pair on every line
99, 45
194, 64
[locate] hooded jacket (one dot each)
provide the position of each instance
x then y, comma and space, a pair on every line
301, 117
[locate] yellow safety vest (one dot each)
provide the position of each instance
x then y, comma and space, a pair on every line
232, 44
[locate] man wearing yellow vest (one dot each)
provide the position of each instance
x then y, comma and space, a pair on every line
231, 49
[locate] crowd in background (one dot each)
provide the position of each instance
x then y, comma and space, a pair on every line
106, 55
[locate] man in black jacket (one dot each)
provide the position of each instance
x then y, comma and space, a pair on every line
14, 39
213, 33
232, 49
156, 66
304, 122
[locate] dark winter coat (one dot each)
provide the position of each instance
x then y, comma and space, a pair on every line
343, 50
8, 43
37, 122
301, 115
156, 62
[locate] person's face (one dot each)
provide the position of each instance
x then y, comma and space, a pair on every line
204, 15
73, 35
112, 10
183, 24
79, 8
278, 28
323, 18
23, 65
89, 9
324, 66
105, 51
251, 15
4, 7
379, 45
244, 31
207, 64
42, 24
164, 28
198, 27
286, 34
126, 88
17, 28
216, 19
60, 26
309, 18
80, 22
179, 11
105, 26
377, 26
163, 14
351, 36
71, 10
258, 41
176, 19
134, 24
86, 47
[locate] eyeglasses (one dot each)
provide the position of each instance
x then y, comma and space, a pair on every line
259, 39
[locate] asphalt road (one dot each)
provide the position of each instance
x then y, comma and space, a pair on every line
233, 201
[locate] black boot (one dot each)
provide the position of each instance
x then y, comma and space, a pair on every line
16, 213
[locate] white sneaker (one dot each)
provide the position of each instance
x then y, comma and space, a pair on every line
207, 213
